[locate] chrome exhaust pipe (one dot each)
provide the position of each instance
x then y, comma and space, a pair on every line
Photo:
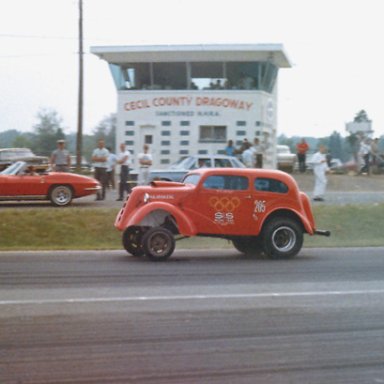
322, 233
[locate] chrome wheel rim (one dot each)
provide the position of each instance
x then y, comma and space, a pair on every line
62, 195
284, 239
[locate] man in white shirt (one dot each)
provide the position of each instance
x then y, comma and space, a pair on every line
145, 161
258, 149
125, 161
100, 162
248, 156
320, 168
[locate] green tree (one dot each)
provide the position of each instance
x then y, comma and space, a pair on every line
23, 141
48, 130
284, 140
335, 145
8, 137
353, 145
106, 129
361, 117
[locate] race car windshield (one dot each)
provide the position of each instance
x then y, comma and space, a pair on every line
191, 179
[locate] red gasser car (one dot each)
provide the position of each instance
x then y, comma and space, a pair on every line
262, 212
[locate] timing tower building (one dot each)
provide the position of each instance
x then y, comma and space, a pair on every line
191, 99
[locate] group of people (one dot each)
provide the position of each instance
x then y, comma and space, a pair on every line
104, 162
368, 155
250, 154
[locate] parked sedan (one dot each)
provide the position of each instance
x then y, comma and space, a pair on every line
285, 158
177, 171
9, 156
20, 182
85, 167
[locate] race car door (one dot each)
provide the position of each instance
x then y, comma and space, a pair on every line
226, 203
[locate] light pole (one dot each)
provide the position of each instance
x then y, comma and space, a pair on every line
79, 141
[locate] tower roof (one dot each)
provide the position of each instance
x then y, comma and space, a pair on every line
192, 53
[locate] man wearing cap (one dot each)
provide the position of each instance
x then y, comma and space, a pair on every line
60, 158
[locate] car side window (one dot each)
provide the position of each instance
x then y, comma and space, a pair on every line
222, 163
266, 184
224, 182
191, 179
202, 162
205, 163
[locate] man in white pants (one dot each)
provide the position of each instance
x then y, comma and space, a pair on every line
145, 161
320, 168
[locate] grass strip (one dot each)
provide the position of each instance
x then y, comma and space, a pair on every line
87, 229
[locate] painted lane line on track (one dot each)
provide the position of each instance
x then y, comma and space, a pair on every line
91, 300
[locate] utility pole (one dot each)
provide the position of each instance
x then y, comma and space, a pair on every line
79, 142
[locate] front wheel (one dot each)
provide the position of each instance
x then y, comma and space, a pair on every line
132, 237
158, 243
282, 238
61, 195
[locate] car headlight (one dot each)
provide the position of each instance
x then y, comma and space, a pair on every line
146, 198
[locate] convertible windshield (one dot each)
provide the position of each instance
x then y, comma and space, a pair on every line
13, 169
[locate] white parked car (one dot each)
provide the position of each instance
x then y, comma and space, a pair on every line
85, 166
285, 158
177, 171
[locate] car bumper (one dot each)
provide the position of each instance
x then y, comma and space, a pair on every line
93, 189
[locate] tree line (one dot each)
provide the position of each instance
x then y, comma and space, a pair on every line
343, 148
49, 128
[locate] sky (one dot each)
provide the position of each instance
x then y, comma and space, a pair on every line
335, 47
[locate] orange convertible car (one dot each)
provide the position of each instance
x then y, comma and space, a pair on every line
20, 182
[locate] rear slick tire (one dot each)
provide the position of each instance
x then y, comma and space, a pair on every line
282, 238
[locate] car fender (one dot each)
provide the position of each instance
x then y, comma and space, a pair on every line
185, 226
278, 211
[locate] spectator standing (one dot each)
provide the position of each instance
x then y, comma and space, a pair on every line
244, 145
111, 169
248, 156
60, 158
301, 150
320, 168
125, 161
258, 149
230, 149
145, 161
201, 164
100, 162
